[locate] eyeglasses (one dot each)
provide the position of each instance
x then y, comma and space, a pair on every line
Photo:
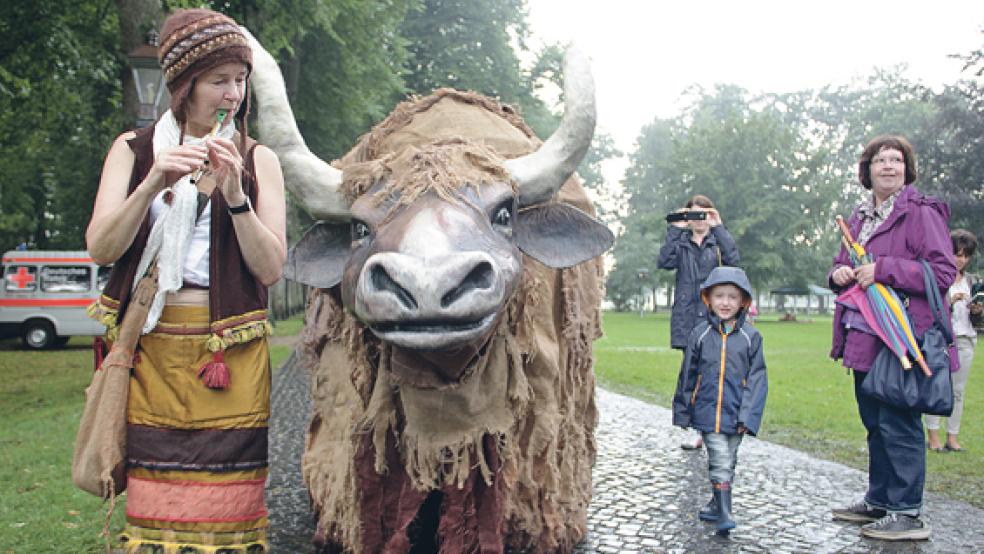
891, 159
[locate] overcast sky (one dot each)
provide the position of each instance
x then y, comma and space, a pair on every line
646, 52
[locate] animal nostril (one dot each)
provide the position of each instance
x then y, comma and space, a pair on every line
381, 281
479, 278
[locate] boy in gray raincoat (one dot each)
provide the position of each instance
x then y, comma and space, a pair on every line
722, 386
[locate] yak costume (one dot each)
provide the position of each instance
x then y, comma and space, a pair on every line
510, 446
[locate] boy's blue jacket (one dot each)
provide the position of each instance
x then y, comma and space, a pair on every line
716, 397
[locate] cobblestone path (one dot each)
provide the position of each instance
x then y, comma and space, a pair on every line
647, 490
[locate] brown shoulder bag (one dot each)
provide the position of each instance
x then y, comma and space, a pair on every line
99, 459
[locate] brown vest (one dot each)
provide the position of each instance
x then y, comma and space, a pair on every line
237, 301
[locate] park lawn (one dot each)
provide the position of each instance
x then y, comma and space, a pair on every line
41, 397
811, 404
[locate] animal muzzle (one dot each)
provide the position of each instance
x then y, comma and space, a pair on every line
430, 303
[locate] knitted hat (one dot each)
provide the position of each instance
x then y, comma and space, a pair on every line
193, 42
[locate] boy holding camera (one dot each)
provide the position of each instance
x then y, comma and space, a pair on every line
723, 384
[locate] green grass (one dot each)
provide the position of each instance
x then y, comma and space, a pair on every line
811, 404
288, 327
41, 396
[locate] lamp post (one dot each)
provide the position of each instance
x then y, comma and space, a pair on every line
149, 79
642, 273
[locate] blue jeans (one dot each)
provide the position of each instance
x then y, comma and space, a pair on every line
896, 454
722, 456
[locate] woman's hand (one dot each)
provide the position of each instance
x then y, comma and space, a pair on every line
227, 168
865, 275
958, 297
843, 276
117, 214
171, 164
713, 217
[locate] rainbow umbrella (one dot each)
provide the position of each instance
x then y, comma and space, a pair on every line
881, 308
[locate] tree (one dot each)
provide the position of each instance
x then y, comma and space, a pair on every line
475, 46
606, 197
955, 155
59, 112
760, 172
955, 160
638, 243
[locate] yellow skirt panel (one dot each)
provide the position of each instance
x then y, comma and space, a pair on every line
165, 390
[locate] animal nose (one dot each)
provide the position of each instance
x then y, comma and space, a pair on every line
461, 285
479, 278
382, 283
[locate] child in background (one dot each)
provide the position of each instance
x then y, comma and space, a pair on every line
722, 386
965, 317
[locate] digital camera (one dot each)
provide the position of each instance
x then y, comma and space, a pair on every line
692, 215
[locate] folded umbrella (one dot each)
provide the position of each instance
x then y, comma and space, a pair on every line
857, 298
885, 313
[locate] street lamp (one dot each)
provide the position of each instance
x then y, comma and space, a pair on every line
642, 273
149, 79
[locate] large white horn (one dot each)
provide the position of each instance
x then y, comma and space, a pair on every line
310, 179
539, 175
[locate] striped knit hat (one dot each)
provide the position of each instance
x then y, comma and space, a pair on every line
193, 42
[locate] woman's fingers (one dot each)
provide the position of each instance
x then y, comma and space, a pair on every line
224, 155
865, 275
843, 275
182, 159
227, 167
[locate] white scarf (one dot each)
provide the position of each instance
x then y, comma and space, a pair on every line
175, 223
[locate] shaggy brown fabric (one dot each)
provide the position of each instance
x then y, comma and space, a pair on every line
537, 380
450, 114
467, 519
445, 167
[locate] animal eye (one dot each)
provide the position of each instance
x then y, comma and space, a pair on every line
359, 230
502, 216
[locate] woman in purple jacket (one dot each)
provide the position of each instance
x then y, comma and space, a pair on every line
899, 226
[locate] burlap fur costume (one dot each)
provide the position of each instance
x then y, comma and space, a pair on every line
512, 445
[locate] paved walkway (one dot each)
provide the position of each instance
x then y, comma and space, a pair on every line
648, 490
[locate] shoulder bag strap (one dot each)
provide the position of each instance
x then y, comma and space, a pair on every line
935, 300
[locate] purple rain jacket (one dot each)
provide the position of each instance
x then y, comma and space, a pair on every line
915, 230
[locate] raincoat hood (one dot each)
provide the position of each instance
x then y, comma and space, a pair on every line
727, 275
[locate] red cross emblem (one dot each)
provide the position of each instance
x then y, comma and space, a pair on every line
22, 277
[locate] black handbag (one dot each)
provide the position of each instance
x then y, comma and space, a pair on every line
912, 389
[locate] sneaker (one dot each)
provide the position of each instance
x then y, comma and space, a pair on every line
897, 527
693, 441
858, 513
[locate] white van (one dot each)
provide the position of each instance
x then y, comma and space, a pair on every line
45, 294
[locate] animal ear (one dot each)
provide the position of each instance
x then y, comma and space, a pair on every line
318, 259
560, 235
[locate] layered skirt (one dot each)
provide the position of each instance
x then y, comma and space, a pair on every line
196, 456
